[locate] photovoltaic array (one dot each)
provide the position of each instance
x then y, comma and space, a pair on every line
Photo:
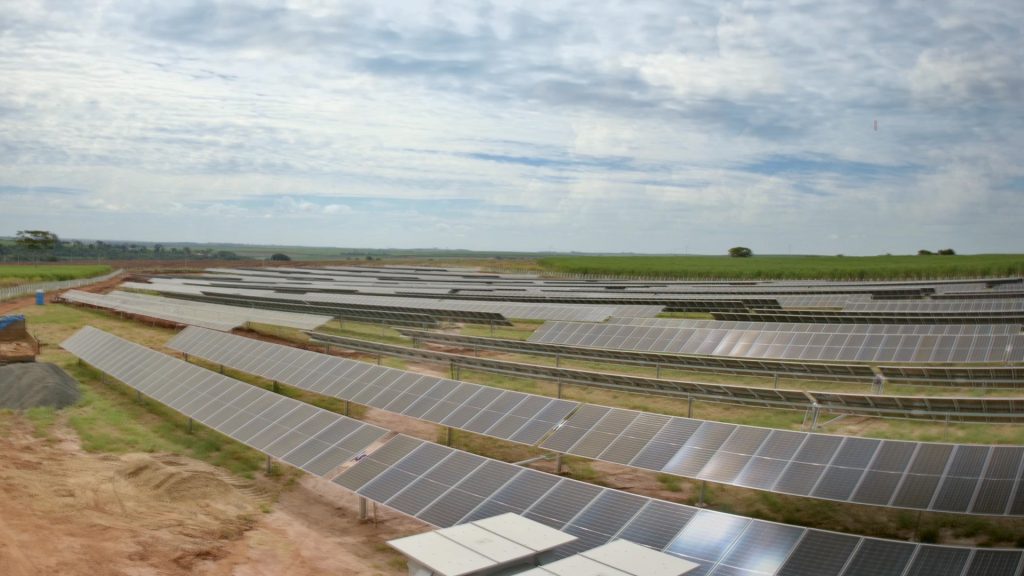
942, 477
446, 487
942, 408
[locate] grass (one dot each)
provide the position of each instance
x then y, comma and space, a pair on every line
109, 420
520, 330
670, 483
791, 267
365, 331
42, 418
30, 274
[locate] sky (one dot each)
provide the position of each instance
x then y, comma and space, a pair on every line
678, 126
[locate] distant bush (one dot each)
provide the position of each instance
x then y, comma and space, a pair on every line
947, 252
925, 253
279, 257
741, 252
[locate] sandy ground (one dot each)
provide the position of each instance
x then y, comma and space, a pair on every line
65, 511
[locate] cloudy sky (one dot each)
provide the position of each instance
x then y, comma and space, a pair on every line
675, 126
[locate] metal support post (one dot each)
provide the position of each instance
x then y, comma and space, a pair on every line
138, 396
189, 425
559, 382
273, 386
492, 328
558, 361
657, 371
447, 436
814, 416
775, 381
269, 464
221, 368
362, 508
451, 368
700, 503
558, 464
378, 358
689, 406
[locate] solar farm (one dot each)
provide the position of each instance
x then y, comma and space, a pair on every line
799, 428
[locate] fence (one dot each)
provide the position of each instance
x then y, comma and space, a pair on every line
24, 289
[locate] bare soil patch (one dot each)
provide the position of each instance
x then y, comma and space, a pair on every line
65, 511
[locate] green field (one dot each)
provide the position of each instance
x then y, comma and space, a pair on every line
29, 274
792, 267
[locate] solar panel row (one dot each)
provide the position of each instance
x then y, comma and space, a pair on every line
974, 375
304, 436
887, 329
840, 317
939, 306
842, 347
779, 461
215, 316
407, 304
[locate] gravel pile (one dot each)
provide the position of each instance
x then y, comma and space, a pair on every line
32, 384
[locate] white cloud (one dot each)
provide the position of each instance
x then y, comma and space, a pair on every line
708, 76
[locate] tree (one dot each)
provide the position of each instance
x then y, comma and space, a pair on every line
925, 253
947, 252
37, 240
279, 257
741, 252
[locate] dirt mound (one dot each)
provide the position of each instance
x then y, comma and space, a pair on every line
29, 385
173, 481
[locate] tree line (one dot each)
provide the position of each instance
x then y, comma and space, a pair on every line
43, 245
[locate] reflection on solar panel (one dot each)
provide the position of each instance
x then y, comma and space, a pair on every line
304, 436
939, 306
843, 347
816, 465
178, 316
217, 317
888, 329
959, 409
839, 317
445, 487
